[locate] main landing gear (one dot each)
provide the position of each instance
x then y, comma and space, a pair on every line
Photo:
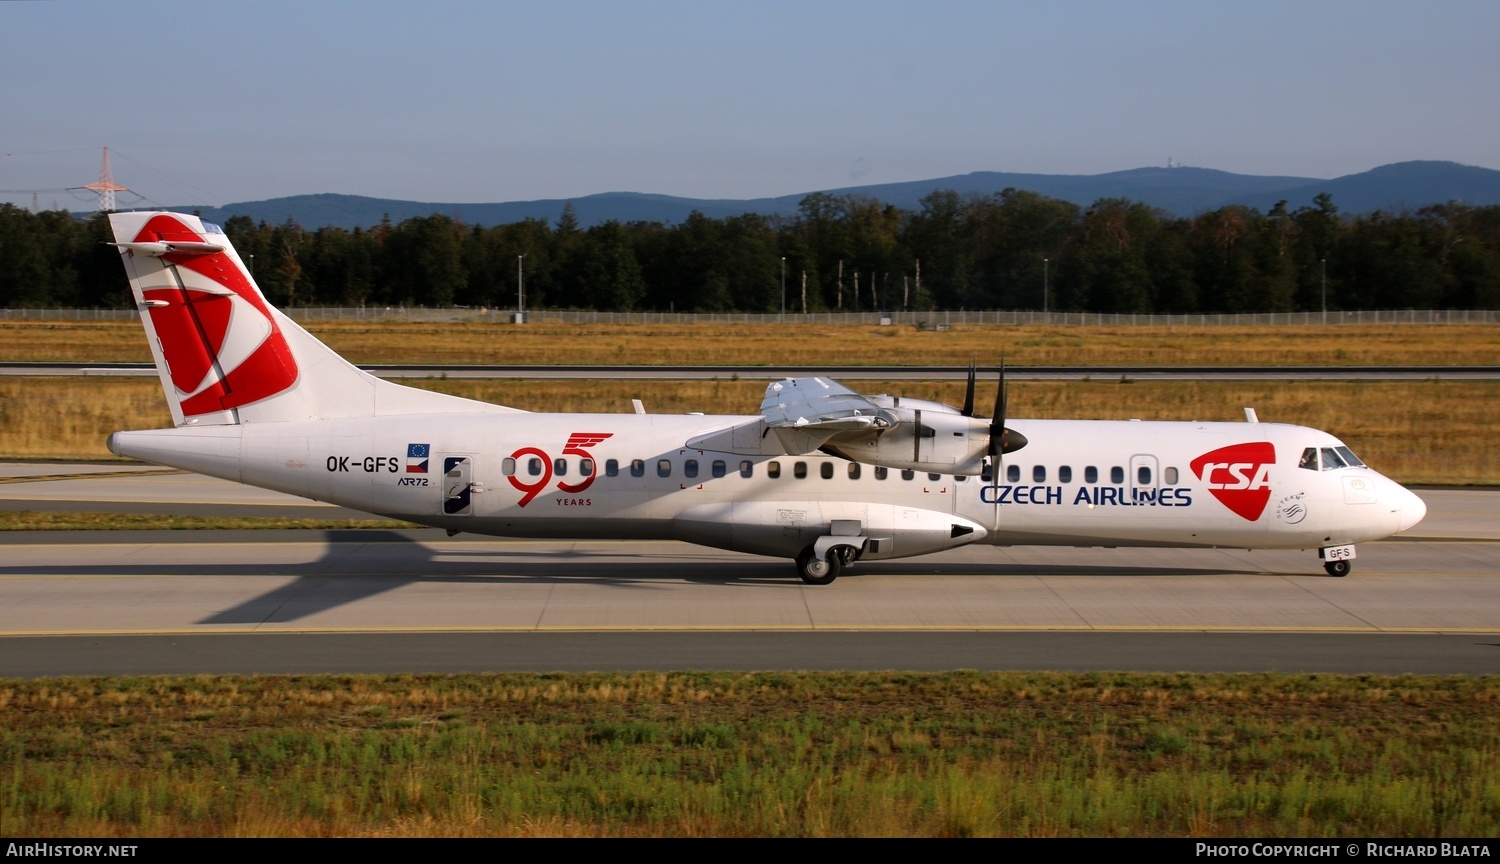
816, 570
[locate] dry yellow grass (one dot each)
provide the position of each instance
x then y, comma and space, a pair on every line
1422, 432
1419, 431
758, 344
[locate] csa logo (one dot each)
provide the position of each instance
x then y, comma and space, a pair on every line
222, 346
1239, 476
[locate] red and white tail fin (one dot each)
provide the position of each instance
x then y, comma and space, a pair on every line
224, 354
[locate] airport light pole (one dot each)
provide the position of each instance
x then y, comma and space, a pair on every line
520, 289
1044, 291
783, 289
1324, 263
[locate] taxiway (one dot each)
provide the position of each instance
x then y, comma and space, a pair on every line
112, 602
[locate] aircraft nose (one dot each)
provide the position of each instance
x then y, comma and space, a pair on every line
1412, 508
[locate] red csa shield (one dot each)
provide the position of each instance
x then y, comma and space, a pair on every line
1235, 476
195, 327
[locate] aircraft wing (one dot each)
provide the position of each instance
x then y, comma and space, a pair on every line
820, 404
807, 413
810, 414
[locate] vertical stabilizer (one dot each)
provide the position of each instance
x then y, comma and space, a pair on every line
225, 356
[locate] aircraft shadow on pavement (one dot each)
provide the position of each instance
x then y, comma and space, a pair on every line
347, 573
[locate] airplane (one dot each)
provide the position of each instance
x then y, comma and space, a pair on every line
823, 475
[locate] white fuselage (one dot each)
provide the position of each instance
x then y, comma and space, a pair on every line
1078, 483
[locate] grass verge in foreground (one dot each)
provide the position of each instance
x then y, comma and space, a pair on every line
746, 754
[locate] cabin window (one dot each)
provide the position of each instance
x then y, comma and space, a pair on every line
1349, 458
826, 469
747, 468
586, 467
1143, 475
1309, 459
1332, 459
508, 466
853, 470
1117, 475
719, 469
611, 468
959, 478
907, 474
690, 468
799, 470
773, 470
664, 467
1013, 473
1065, 474
560, 467
1169, 476
638, 468
881, 472
1091, 474
534, 467
1039, 474
934, 477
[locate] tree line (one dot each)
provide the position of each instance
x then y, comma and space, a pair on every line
1010, 250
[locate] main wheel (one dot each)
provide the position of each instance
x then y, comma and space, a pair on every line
818, 571
1340, 567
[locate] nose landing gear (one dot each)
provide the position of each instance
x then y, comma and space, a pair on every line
1337, 560
1338, 568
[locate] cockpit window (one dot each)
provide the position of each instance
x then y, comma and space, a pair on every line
1309, 459
1332, 459
1349, 458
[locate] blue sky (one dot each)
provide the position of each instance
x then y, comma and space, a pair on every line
453, 101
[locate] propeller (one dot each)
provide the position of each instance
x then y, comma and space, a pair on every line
1009, 439
1002, 440
969, 393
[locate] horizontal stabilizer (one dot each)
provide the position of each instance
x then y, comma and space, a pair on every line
156, 250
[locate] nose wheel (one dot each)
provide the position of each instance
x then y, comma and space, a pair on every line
1340, 567
1337, 560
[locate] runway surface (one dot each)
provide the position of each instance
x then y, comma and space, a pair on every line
419, 601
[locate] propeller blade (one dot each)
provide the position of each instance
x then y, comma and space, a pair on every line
969, 393
1003, 440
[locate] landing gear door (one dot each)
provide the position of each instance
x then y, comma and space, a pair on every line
458, 486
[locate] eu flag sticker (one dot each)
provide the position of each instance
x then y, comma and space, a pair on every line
416, 458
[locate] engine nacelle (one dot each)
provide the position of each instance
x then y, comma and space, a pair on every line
936, 440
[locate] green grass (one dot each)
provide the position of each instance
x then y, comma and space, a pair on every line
742, 754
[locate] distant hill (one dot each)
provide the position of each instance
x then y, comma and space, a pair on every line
1394, 188
1178, 191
